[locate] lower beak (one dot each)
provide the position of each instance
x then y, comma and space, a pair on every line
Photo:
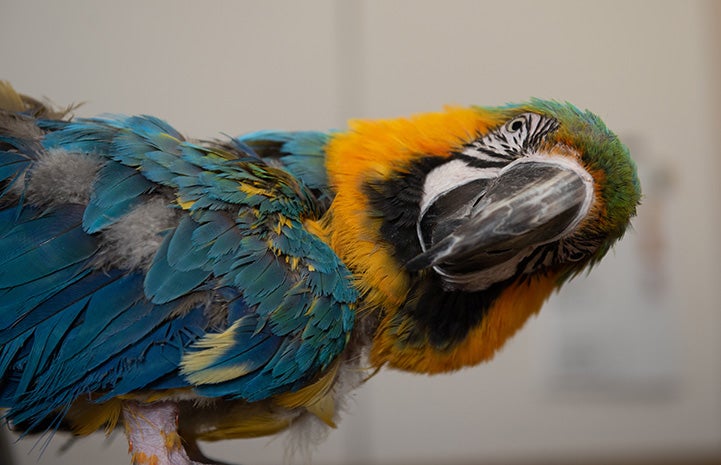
532, 202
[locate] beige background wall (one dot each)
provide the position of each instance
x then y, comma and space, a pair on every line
623, 364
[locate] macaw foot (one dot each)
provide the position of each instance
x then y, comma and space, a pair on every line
153, 439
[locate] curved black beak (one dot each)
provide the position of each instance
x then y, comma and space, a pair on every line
483, 224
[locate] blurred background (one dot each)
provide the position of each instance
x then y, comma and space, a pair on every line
623, 366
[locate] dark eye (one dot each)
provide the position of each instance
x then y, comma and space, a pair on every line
516, 125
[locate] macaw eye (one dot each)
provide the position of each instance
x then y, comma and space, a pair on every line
516, 125
515, 138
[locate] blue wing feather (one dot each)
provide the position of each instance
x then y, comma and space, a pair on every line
157, 356
51, 331
15, 302
71, 328
164, 282
184, 253
116, 190
9, 356
11, 164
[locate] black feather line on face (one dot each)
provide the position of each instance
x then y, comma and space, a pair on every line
516, 138
478, 163
396, 201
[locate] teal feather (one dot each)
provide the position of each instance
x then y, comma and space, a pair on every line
25, 319
251, 349
154, 359
8, 218
116, 190
225, 244
15, 302
164, 283
111, 298
51, 332
156, 172
139, 135
118, 183
8, 355
185, 254
171, 162
32, 228
42, 261
96, 218
11, 164
287, 316
301, 153
126, 319
218, 232
39, 247
84, 136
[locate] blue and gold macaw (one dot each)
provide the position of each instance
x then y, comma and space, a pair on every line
208, 290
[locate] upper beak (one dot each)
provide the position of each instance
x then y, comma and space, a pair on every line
532, 202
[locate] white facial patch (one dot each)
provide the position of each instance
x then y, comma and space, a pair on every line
449, 176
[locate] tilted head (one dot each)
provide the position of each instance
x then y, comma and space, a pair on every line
480, 214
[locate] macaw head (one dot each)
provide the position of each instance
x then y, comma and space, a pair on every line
458, 225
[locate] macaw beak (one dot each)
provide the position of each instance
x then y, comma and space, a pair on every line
484, 223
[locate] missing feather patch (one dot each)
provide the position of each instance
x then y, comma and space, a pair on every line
132, 241
59, 177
